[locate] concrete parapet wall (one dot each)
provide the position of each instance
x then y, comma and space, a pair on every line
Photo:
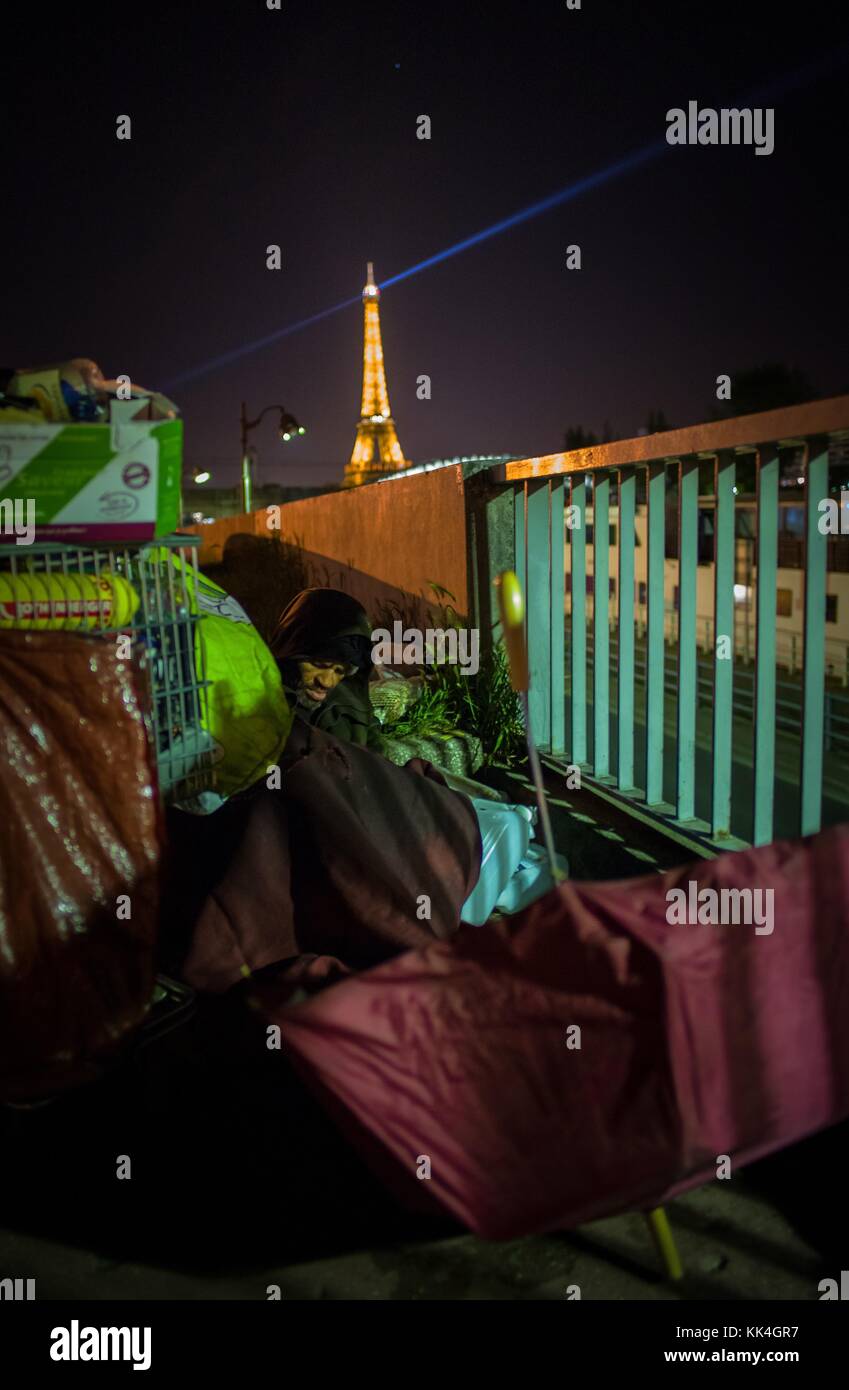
382, 542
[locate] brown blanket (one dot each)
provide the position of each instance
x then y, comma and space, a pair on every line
345, 859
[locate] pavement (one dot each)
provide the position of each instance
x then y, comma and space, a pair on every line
733, 1245
238, 1190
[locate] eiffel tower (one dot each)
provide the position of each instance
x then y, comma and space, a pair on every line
376, 447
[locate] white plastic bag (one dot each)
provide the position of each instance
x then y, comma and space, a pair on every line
514, 872
505, 834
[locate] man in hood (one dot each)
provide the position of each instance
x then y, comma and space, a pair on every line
331, 864
323, 648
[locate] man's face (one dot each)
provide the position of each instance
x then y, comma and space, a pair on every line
318, 678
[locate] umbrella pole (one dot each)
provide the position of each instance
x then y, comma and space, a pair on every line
536, 774
661, 1231
512, 609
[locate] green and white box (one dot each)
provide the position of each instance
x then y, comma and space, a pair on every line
92, 483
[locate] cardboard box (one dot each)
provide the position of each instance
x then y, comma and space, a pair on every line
93, 483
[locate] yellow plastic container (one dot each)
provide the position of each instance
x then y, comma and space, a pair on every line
38, 600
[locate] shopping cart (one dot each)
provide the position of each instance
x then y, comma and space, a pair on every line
141, 592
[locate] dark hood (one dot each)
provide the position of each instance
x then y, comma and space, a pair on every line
324, 623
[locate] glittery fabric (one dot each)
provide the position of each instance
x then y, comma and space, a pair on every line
80, 836
459, 753
392, 698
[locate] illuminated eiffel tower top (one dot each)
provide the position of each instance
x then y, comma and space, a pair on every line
376, 447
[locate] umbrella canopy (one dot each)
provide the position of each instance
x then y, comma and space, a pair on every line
589, 1055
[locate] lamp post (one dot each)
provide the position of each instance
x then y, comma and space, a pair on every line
287, 429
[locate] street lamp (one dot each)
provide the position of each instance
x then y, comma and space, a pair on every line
288, 428
199, 475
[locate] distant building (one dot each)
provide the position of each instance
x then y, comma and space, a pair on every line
789, 580
202, 503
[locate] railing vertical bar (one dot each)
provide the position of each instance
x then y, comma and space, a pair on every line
519, 534
578, 616
557, 576
656, 494
765, 673
813, 673
688, 531
601, 624
725, 469
538, 610
625, 642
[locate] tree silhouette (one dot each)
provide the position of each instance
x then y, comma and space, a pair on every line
767, 387
578, 438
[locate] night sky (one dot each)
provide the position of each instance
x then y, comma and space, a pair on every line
298, 127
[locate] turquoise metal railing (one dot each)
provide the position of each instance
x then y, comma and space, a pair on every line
551, 505
788, 699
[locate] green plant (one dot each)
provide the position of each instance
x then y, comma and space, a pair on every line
484, 704
428, 714
390, 611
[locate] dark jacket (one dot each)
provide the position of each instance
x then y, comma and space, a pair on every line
331, 865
